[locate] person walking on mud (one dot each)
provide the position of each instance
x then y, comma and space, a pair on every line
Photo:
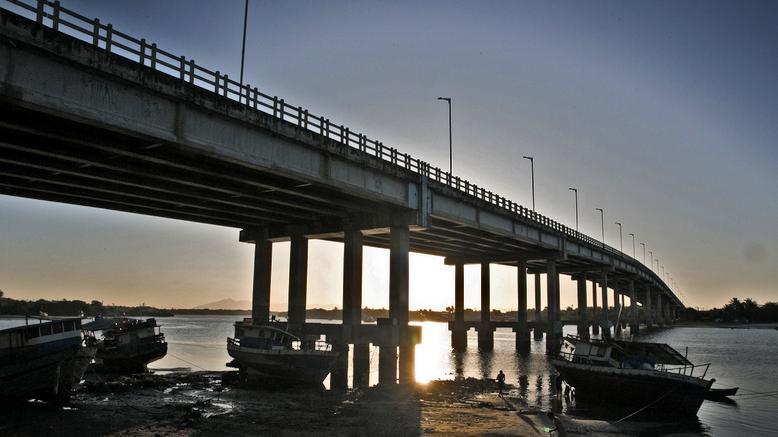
500, 381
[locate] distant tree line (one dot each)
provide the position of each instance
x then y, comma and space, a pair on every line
736, 311
18, 307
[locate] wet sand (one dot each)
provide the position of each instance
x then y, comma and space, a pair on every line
205, 404
184, 404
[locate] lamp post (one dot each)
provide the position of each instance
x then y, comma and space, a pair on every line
575, 190
644, 252
532, 171
633, 244
602, 223
243, 50
450, 143
621, 241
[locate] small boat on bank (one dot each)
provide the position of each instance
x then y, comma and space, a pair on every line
270, 352
633, 374
127, 344
43, 360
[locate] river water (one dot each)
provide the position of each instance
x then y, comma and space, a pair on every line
747, 358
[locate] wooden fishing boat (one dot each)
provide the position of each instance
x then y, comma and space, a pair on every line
43, 360
270, 352
127, 344
633, 374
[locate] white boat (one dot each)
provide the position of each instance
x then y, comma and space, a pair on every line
270, 352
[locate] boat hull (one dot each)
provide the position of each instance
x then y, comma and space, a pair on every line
131, 359
307, 367
635, 388
47, 377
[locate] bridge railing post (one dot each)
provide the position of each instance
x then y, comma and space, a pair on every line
191, 71
96, 32
55, 16
182, 68
39, 13
108, 37
154, 59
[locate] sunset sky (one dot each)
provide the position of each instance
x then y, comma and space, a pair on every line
664, 113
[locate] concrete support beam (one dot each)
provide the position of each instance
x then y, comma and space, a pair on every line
398, 298
361, 365
459, 333
605, 324
538, 333
339, 374
485, 333
554, 333
648, 308
583, 321
522, 332
617, 306
595, 327
634, 324
660, 320
260, 296
298, 281
352, 278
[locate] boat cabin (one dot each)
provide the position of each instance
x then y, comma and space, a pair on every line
37, 333
623, 354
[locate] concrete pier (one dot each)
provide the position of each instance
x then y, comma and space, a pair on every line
459, 332
260, 295
298, 282
604, 322
647, 308
595, 326
485, 332
398, 298
522, 330
352, 304
583, 325
554, 332
634, 324
537, 332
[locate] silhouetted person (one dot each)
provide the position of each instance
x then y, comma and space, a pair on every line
500, 381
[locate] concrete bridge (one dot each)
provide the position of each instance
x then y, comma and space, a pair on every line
92, 116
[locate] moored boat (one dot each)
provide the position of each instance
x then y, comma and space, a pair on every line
269, 351
43, 360
127, 344
633, 374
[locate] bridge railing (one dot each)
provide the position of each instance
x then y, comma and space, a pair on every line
104, 36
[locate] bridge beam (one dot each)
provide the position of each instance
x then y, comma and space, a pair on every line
260, 293
660, 320
485, 331
522, 333
554, 332
459, 332
648, 307
352, 315
604, 321
537, 330
595, 326
634, 325
298, 282
583, 322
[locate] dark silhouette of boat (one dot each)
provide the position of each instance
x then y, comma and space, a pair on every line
127, 345
270, 352
43, 360
633, 374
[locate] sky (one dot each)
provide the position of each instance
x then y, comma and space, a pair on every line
663, 113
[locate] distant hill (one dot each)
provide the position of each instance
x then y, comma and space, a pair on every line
226, 304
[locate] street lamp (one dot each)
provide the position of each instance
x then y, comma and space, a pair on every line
621, 241
532, 171
652, 259
575, 190
450, 144
633, 244
644, 252
243, 50
602, 223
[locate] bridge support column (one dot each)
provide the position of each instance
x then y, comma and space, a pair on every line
298, 282
485, 332
398, 298
260, 295
352, 305
339, 374
361, 365
583, 321
554, 332
634, 324
647, 308
605, 323
618, 305
537, 331
660, 320
459, 332
522, 333
595, 326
